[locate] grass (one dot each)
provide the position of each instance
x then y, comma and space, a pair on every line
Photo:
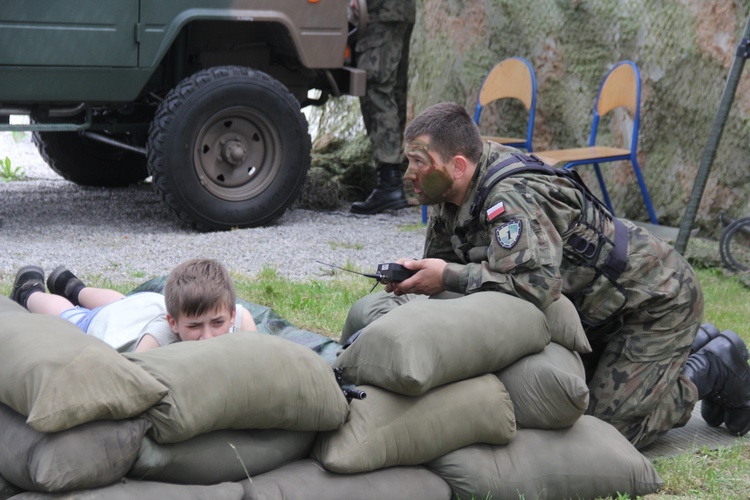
321, 306
10, 173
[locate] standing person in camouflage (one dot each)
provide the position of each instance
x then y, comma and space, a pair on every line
383, 52
505, 222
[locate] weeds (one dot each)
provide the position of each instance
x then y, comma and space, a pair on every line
10, 173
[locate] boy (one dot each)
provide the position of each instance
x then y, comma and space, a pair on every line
199, 302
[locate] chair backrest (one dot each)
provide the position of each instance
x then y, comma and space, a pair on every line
620, 88
512, 78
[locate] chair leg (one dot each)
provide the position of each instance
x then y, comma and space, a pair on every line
603, 187
644, 191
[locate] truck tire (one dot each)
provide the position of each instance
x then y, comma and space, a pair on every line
88, 162
229, 148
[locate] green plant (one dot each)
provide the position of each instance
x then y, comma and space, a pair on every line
10, 173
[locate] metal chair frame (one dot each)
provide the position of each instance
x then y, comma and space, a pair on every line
621, 87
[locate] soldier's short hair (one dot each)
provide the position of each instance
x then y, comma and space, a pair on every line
450, 129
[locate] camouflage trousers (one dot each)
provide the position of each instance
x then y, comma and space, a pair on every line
383, 52
635, 372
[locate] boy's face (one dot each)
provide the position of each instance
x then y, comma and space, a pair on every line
205, 326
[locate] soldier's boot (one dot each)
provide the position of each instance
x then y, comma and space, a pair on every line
706, 333
387, 195
712, 413
721, 373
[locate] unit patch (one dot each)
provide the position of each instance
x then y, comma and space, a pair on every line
508, 234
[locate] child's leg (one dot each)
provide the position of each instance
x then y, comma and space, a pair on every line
45, 303
90, 297
64, 283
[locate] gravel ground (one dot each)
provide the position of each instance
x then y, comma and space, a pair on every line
129, 234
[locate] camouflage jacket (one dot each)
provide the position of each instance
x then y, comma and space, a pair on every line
520, 243
391, 11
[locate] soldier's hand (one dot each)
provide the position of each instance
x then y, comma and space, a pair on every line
427, 281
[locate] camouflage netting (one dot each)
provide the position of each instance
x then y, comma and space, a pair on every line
684, 49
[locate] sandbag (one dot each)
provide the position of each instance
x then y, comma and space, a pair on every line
129, 489
90, 455
220, 456
307, 479
388, 429
548, 389
427, 343
588, 460
8, 305
565, 326
245, 380
7, 490
60, 377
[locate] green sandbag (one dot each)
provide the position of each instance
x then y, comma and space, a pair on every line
220, 456
60, 377
591, 459
565, 326
270, 323
388, 429
307, 479
548, 389
427, 343
7, 305
129, 489
244, 380
87, 456
8, 490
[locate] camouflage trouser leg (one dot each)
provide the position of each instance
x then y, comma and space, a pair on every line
638, 385
372, 306
383, 52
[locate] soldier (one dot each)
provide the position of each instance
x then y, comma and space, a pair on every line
503, 221
383, 52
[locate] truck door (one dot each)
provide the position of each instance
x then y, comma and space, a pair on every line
69, 33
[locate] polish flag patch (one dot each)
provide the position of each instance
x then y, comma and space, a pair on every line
495, 211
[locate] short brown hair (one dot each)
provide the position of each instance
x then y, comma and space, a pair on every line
198, 286
450, 129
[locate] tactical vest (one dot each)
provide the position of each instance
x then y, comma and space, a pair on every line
587, 246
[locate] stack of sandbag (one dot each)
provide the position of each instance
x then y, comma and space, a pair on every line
76, 415
448, 390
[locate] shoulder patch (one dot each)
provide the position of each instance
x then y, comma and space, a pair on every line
508, 234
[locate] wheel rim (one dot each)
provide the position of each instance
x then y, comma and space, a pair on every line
237, 153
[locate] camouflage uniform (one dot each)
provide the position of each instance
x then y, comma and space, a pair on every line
545, 241
383, 52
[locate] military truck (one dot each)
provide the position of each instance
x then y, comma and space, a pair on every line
203, 96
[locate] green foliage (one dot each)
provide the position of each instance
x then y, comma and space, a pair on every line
10, 173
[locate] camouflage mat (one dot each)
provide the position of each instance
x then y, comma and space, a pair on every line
694, 436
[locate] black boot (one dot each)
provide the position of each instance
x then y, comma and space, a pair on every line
387, 195
706, 333
29, 279
712, 413
63, 282
721, 373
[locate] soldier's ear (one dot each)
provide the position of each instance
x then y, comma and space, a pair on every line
460, 166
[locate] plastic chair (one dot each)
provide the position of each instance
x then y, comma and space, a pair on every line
620, 88
512, 78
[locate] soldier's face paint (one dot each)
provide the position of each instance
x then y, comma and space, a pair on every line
432, 179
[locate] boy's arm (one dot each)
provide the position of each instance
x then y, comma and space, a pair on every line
146, 343
248, 323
